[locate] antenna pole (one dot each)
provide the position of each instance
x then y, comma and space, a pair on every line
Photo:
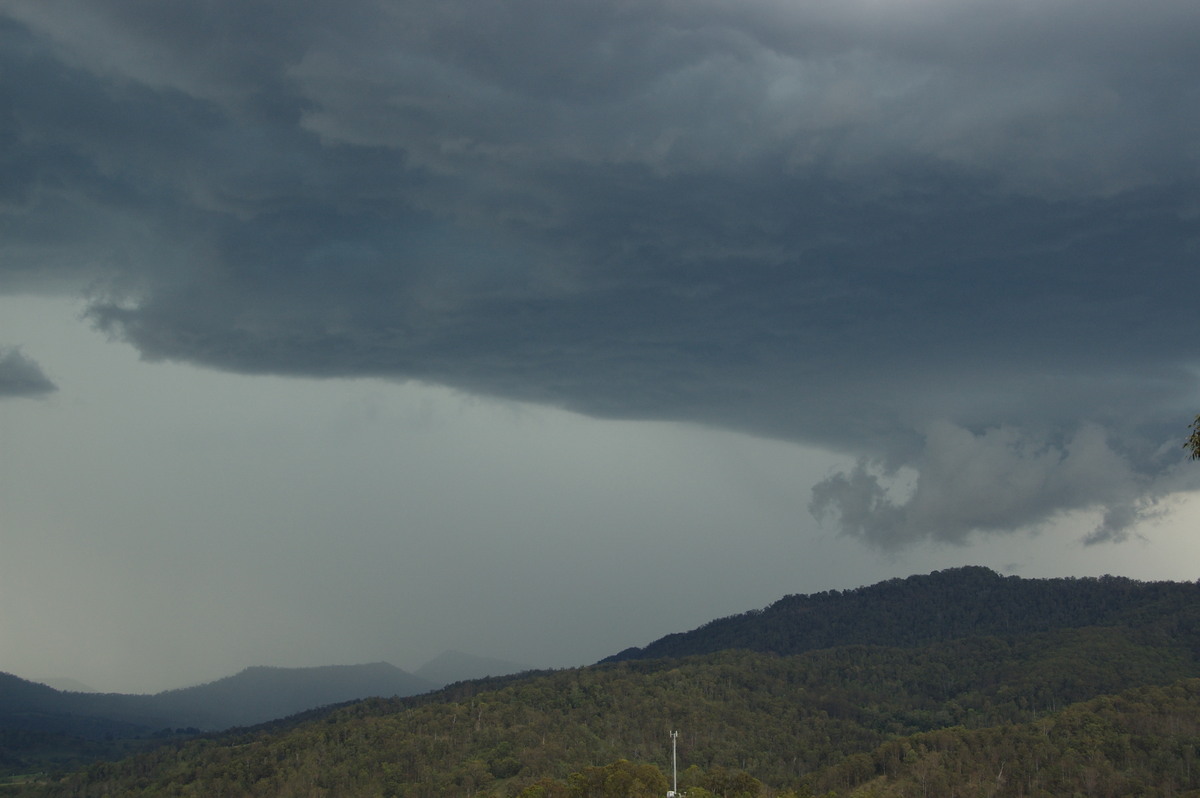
674, 766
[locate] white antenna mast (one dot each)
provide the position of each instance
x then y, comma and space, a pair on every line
674, 768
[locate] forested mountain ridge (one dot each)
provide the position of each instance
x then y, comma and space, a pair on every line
943, 605
850, 719
814, 721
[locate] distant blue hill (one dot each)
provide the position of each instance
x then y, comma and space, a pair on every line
253, 696
68, 685
258, 694
455, 666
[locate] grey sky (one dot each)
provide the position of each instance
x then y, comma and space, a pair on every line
943, 253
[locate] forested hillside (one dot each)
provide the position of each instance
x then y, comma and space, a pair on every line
43, 728
1139, 742
1048, 708
943, 605
789, 723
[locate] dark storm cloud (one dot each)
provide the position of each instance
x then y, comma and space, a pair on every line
957, 239
20, 376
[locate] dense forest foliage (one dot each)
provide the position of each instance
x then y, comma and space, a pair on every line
1139, 742
1097, 710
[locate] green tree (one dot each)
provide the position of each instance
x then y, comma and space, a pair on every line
546, 788
621, 779
1193, 442
731, 784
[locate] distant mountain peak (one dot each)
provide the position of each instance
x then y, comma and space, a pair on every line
456, 666
261, 693
68, 685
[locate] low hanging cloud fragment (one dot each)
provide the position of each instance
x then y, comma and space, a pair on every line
20, 376
902, 232
996, 481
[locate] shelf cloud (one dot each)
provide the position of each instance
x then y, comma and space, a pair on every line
956, 241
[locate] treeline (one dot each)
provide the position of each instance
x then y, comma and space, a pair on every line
822, 721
